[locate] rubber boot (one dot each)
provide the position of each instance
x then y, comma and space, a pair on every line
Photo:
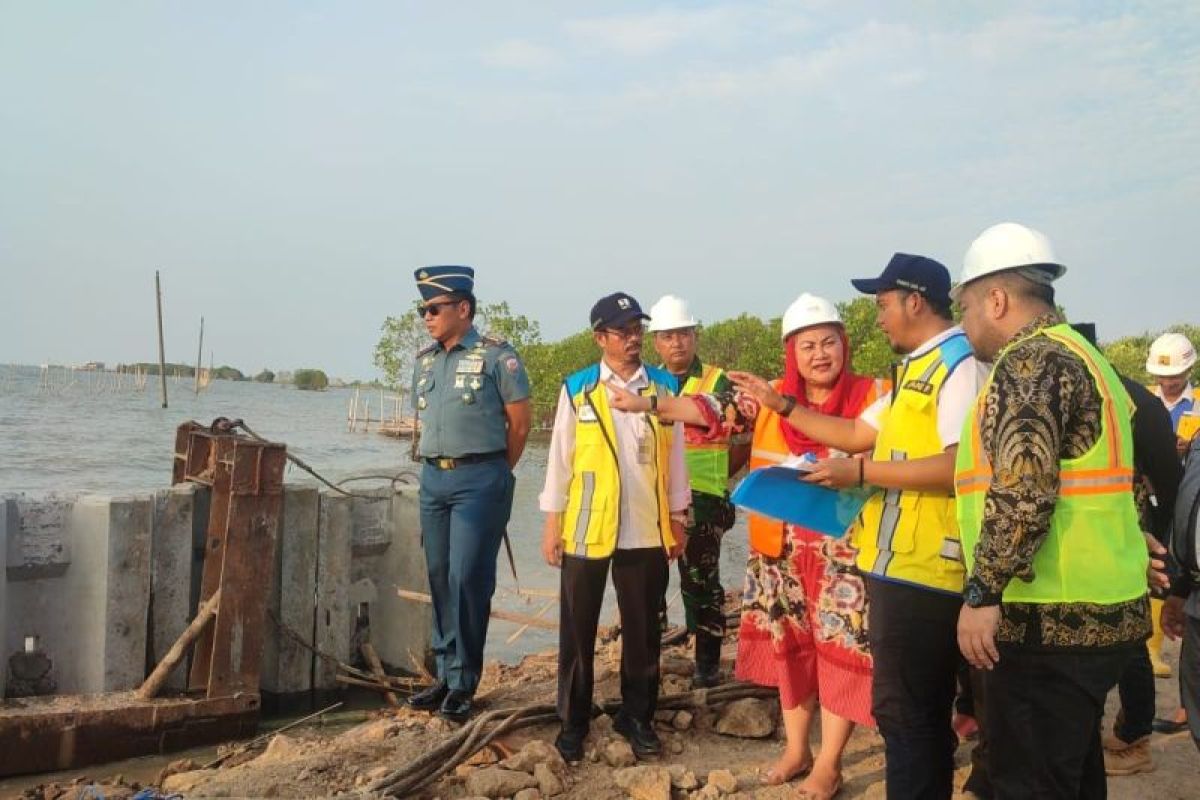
1161, 668
708, 661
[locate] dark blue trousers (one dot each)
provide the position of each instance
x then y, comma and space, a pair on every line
464, 512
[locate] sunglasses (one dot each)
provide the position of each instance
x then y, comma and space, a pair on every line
433, 309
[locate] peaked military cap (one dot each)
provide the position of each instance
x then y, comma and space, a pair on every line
435, 281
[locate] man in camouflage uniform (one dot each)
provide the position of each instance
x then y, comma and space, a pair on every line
709, 466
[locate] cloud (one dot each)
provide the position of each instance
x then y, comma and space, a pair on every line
656, 31
519, 54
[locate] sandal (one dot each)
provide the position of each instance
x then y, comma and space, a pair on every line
809, 794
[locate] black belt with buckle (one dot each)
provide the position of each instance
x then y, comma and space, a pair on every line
471, 458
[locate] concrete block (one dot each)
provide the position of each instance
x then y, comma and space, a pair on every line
399, 628
171, 573
128, 596
334, 618
372, 524
37, 545
287, 664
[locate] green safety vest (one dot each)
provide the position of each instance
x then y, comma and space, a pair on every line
708, 464
1095, 551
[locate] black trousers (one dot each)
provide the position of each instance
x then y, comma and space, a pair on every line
913, 633
640, 578
1136, 687
1043, 721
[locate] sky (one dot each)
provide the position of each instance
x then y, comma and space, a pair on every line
286, 166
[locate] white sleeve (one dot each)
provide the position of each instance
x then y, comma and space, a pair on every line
679, 490
956, 400
560, 459
873, 414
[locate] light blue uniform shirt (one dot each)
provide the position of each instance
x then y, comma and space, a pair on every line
460, 395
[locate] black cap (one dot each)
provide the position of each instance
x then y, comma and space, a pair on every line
914, 273
615, 310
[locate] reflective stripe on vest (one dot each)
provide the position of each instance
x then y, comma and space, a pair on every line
907, 535
770, 448
592, 518
1094, 551
708, 464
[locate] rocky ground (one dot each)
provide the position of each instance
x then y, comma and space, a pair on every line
711, 753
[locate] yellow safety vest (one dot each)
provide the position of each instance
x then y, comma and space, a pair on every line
593, 511
1095, 551
708, 463
905, 535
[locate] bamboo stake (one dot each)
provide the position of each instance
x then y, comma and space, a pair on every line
507, 616
368, 651
162, 357
152, 685
200, 356
517, 634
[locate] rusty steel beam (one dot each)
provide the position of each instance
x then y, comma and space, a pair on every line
44, 734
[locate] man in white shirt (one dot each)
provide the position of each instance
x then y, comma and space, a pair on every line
616, 493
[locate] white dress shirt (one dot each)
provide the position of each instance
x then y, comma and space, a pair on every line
638, 521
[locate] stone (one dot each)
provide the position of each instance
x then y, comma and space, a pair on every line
645, 782
683, 778
675, 745
185, 782
281, 748
683, 720
664, 716
618, 753
707, 793
498, 782
723, 780
673, 665
528, 794
602, 726
748, 718
550, 782
533, 753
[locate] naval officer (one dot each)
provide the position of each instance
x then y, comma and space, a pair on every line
471, 394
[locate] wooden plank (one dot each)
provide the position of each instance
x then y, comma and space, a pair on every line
368, 651
507, 616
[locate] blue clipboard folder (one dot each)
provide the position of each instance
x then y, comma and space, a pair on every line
780, 493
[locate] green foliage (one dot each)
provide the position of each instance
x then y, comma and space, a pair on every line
498, 320
228, 373
151, 368
744, 343
310, 379
402, 338
549, 363
266, 376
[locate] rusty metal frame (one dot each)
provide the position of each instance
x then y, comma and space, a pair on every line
222, 702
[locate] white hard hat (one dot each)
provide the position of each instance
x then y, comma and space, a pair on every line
806, 311
1008, 246
1171, 354
671, 313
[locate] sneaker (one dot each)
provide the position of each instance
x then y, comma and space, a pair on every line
1133, 759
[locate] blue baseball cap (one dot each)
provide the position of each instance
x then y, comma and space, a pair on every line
615, 310
436, 281
914, 273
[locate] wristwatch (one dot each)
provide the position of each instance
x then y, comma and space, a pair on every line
973, 595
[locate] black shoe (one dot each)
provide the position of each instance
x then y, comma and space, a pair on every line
430, 698
641, 736
707, 676
1161, 725
457, 706
570, 743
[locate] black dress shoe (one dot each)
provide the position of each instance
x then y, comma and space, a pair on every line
429, 698
570, 744
641, 736
707, 676
457, 706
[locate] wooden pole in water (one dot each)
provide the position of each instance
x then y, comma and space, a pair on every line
162, 357
200, 355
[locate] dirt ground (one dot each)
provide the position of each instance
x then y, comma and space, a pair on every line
310, 763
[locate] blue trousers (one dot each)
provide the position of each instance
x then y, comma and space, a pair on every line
464, 512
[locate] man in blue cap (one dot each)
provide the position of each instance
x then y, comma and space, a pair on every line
907, 537
471, 394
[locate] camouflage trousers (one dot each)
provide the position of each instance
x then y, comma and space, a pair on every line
700, 579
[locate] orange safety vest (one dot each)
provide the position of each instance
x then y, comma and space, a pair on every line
770, 448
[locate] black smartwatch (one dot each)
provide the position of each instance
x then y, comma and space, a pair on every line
653, 404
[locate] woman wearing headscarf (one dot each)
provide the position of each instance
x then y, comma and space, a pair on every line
803, 624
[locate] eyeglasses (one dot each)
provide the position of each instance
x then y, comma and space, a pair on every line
633, 332
433, 309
